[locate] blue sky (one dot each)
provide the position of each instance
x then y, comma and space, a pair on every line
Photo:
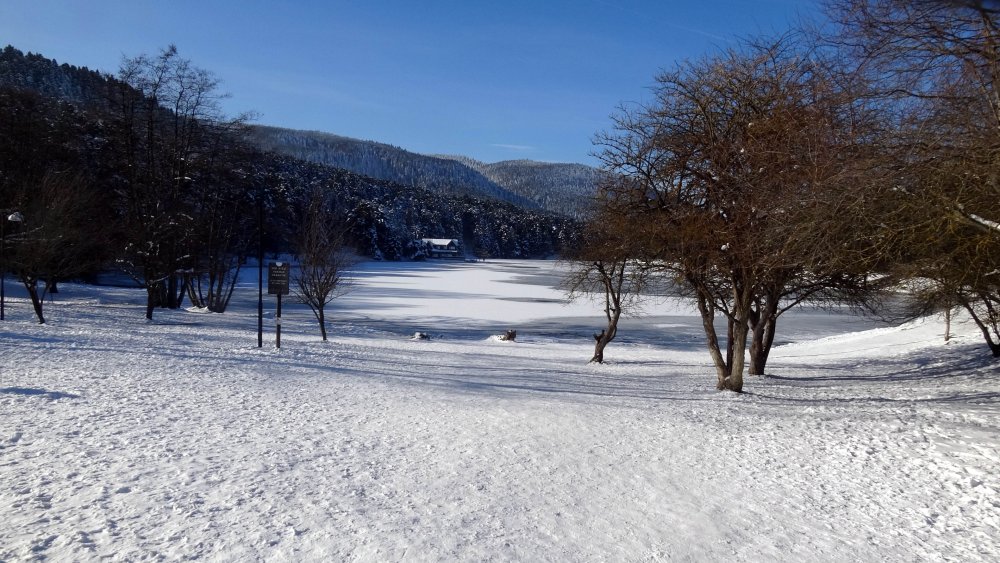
491, 80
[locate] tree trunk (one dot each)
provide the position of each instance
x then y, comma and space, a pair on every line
763, 326
760, 346
729, 343
321, 317
599, 348
740, 327
152, 293
707, 311
224, 300
602, 340
947, 324
177, 293
757, 349
984, 327
613, 279
735, 380
193, 291
171, 302
36, 301
222, 290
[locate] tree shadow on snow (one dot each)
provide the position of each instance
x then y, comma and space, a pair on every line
28, 391
492, 375
957, 374
957, 362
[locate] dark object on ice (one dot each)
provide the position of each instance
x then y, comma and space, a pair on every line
421, 336
510, 335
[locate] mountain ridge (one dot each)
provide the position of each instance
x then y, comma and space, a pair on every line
561, 187
564, 188
66, 118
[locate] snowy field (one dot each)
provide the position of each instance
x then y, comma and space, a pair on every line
130, 440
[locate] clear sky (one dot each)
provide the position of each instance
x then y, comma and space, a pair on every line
491, 80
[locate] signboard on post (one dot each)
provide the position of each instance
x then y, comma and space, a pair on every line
277, 284
277, 278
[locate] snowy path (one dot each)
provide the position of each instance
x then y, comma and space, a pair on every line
180, 438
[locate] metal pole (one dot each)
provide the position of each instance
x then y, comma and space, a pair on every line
3, 263
277, 325
260, 267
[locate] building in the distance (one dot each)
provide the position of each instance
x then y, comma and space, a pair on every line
442, 247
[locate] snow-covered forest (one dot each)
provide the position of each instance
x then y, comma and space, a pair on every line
153, 179
385, 162
567, 189
564, 188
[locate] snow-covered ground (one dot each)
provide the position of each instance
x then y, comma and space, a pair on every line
179, 438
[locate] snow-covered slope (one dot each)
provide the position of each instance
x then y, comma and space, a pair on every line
564, 188
385, 162
567, 189
181, 439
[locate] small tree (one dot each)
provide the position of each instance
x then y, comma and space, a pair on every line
606, 268
607, 280
323, 261
59, 236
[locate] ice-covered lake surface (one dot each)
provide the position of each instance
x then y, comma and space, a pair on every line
179, 438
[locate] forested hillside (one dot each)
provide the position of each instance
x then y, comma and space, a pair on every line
385, 219
567, 189
560, 187
150, 176
36, 73
382, 161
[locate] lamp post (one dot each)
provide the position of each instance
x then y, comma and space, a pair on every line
14, 217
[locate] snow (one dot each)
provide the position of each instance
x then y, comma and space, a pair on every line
179, 438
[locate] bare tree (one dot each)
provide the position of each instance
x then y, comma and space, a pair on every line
732, 152
224, 225
323, 260
170, 144
936, 65
606, 268
60, 234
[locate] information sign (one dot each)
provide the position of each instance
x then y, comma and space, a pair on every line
277, 278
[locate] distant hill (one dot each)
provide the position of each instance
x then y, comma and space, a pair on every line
36, 73
386, 198
384, 162
559, 188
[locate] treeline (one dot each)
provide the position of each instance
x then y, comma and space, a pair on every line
36, 73
833, 167
385, 219
142, 171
